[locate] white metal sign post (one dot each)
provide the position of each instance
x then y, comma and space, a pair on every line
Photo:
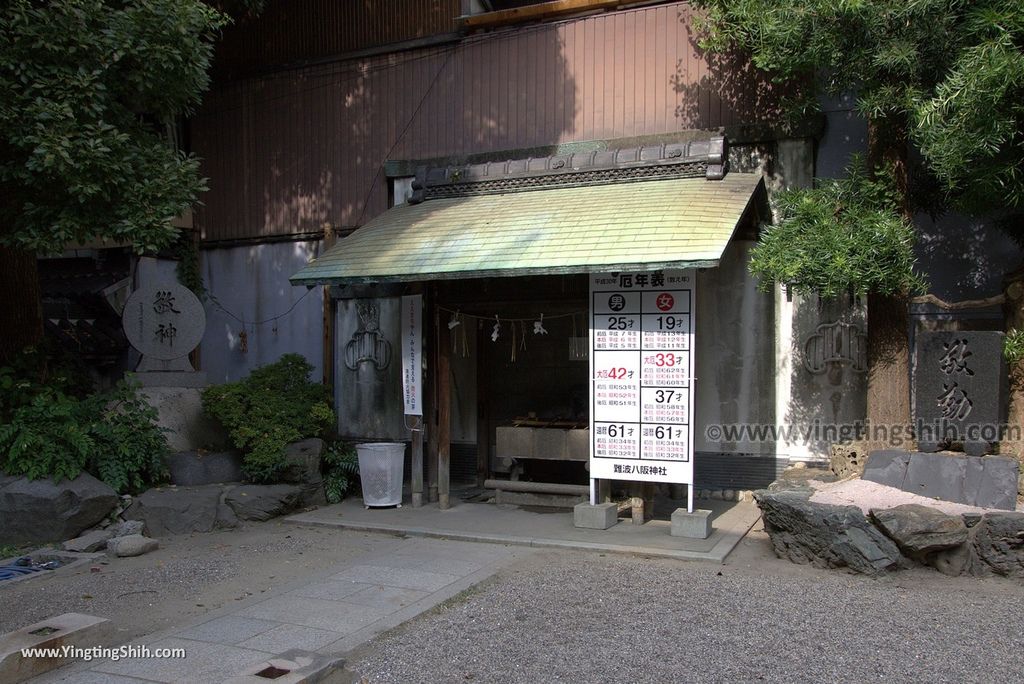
641, 377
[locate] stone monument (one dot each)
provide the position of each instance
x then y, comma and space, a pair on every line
961, 389
165, 322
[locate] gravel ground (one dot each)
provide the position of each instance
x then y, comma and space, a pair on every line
563, 617
189, 575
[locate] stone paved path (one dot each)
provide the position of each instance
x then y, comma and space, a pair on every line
331, 614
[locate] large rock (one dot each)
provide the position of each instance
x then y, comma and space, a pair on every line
43, 511
263, 502
919, 530
131, 545
825, 535
999, 542
303, 461
303, 467
847, 460
180, 510
798, 478
89, 542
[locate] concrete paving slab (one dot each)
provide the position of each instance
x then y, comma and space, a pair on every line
406, 578
230, 629
205, 662
468, 522
329, 590
336, 616
313, 613
286, 637
91, 677
388, 598
444, 566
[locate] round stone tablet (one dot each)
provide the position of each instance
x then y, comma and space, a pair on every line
164, 321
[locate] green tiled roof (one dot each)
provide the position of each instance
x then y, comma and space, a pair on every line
648, 224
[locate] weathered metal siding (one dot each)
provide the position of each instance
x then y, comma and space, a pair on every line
290, 151
289, 31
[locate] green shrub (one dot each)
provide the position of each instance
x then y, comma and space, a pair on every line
276, 404
132, 446
341, 470
843, 236
111, 435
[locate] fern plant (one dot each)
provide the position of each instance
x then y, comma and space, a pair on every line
341, 471
112, 435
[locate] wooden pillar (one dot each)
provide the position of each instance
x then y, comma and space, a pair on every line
417, 461
444, 409
330, 309
431, 415
483, 423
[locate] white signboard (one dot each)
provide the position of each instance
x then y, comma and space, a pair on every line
641, 376
412, 351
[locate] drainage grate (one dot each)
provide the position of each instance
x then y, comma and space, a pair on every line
272, 672
44, 631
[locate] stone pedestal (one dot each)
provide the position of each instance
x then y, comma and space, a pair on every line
595, 516
696, 525
74, 630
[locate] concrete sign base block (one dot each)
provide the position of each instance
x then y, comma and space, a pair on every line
595, 516
69, 630
696, 525
291, 667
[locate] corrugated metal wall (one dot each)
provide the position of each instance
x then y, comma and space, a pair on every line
288, 31
290, 151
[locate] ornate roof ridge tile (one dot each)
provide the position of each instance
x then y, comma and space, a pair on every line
694, 159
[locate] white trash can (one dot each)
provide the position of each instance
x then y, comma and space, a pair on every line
380, 472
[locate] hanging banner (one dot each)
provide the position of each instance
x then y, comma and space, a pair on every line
641, 376
412, 350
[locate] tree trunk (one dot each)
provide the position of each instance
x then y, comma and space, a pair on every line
888, 372
1013, 310
888, 400
21, 316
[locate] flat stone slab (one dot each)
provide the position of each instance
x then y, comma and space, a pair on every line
74, 630
982, 481
191, 468
887, 467
89, 542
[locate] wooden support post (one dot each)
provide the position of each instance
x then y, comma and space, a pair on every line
431, 415
444, 408
483, 423
330, 308
417, 461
